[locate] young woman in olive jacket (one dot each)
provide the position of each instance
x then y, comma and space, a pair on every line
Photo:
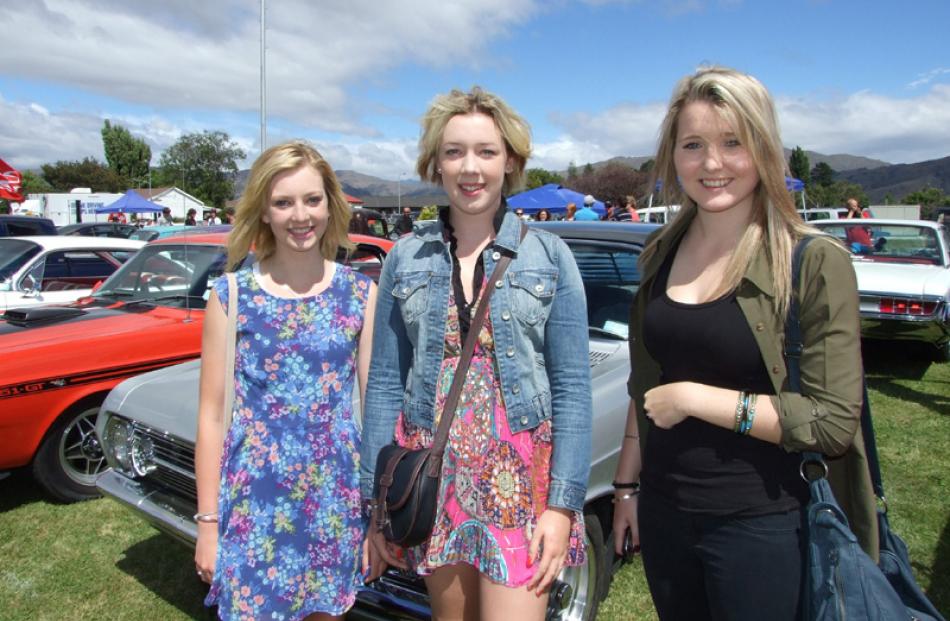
713, 428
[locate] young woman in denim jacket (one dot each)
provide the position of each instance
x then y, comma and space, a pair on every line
517, 461
713, 428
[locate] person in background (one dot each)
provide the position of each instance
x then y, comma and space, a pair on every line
587, 213
708, 479
543, 215
166, 216
213, 218
571, 211
281, 531
631, 208
855, 210
514, 475
190, 217
404, 223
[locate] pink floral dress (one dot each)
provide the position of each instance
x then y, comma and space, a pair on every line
494, 482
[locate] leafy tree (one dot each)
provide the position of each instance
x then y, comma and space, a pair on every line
822, 174
798, 164
929, 198
648, 165
429, 212
588, 169
128, 156
89, 173
202, 164
836, 194
34, 183
536, 177
572, 170
612, 182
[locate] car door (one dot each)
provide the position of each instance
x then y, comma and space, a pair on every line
63, 276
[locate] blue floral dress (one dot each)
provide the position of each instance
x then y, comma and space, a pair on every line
290, 527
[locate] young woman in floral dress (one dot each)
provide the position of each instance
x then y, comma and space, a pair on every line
281, 532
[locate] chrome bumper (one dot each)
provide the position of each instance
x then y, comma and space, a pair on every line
394, 596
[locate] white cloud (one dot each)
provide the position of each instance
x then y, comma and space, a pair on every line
928, 77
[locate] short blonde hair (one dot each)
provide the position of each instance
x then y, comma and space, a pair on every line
744, 103
514, 130
249, 229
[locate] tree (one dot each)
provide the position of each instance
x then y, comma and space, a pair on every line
798, 164
536, 177
612, 182
572, 170
34, 183
588, 169
648, 165
929, 198
201, 164
836, 194
822, 174
89, 173
128, 156
429, 212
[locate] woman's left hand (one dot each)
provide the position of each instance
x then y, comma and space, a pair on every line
668, 404
373, 563
551, 536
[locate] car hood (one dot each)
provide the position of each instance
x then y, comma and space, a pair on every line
167, 399
902, 278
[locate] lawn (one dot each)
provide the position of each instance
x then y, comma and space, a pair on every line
95, 560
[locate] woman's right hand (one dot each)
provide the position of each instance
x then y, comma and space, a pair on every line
388, 552
206, 550
625, 519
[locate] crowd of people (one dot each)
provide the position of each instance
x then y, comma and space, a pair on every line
707, 484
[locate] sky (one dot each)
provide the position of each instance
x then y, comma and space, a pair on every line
354, 77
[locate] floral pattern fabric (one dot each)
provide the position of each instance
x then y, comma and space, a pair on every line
494, 482
290, 527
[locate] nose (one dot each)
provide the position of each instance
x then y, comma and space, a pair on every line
713, 159
468, 164
299, 212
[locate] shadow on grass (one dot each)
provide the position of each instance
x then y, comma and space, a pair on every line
888, 364
20, 489
167, 569
939, 591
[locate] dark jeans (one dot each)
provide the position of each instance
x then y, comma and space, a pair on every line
722, 568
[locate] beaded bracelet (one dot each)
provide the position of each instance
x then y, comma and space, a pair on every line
626, 496
742, 405
749, 416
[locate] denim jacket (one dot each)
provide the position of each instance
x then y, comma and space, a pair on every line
539, 320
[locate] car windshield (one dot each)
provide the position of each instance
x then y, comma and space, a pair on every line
611, 279
167, 274
144, 234
890, 243
14, 253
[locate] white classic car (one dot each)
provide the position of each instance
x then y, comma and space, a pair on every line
50, 269
903, 270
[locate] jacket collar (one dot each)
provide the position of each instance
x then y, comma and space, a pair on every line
508, 235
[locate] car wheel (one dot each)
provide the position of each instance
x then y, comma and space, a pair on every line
943, 353
70, 458
577, 593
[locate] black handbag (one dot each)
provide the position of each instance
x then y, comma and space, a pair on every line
406, 482
841, 580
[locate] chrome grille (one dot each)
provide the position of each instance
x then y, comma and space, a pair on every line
175, 461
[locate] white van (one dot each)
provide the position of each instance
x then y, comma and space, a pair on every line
659, 215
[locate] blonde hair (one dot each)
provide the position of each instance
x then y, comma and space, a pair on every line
513, 128
775, 226
249, 229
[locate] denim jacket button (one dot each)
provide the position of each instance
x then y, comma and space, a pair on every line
495, 255
539, 288
524, 420
511, 352
516, 389
506, 315
498, 284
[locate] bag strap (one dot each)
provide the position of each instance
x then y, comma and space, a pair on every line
451, 401
794, 346
230, 336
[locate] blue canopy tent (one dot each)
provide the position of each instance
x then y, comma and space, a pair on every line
796, 185
552, 197
130, 202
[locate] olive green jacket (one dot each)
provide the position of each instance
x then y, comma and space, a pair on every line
825, 416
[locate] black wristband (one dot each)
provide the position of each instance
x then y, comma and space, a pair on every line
619, 485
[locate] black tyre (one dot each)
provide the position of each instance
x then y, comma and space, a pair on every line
70, 458
587, 584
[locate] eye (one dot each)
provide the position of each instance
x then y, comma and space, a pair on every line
280, 202
692, 145
732, 143
489, 152
314, 200
451, 151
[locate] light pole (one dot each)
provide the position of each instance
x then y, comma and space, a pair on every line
399, 194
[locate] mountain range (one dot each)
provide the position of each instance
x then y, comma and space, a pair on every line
878, 178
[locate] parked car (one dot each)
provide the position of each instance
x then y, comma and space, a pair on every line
151, 233
99, 229
15, 226
809, 215
60, 362
660, 215
369, 222
57, 270
147, 427
903, 278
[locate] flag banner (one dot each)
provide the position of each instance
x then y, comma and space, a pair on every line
11, 182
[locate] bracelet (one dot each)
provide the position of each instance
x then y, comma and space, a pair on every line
626, 496
746, 426
632, 485
631, 436
742, 405
206, 517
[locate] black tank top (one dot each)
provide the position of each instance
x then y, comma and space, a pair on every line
696, 466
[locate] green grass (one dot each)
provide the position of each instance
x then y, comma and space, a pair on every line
96, 560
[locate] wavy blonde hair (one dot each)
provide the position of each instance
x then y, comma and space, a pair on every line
744, 103
514, 130
249, 229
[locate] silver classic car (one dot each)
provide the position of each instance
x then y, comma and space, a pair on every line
147, 427
903, 270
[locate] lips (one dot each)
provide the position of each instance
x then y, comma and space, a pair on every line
301, 232
715, 183
471, 189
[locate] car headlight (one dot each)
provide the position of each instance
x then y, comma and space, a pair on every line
142, 454
118, 438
